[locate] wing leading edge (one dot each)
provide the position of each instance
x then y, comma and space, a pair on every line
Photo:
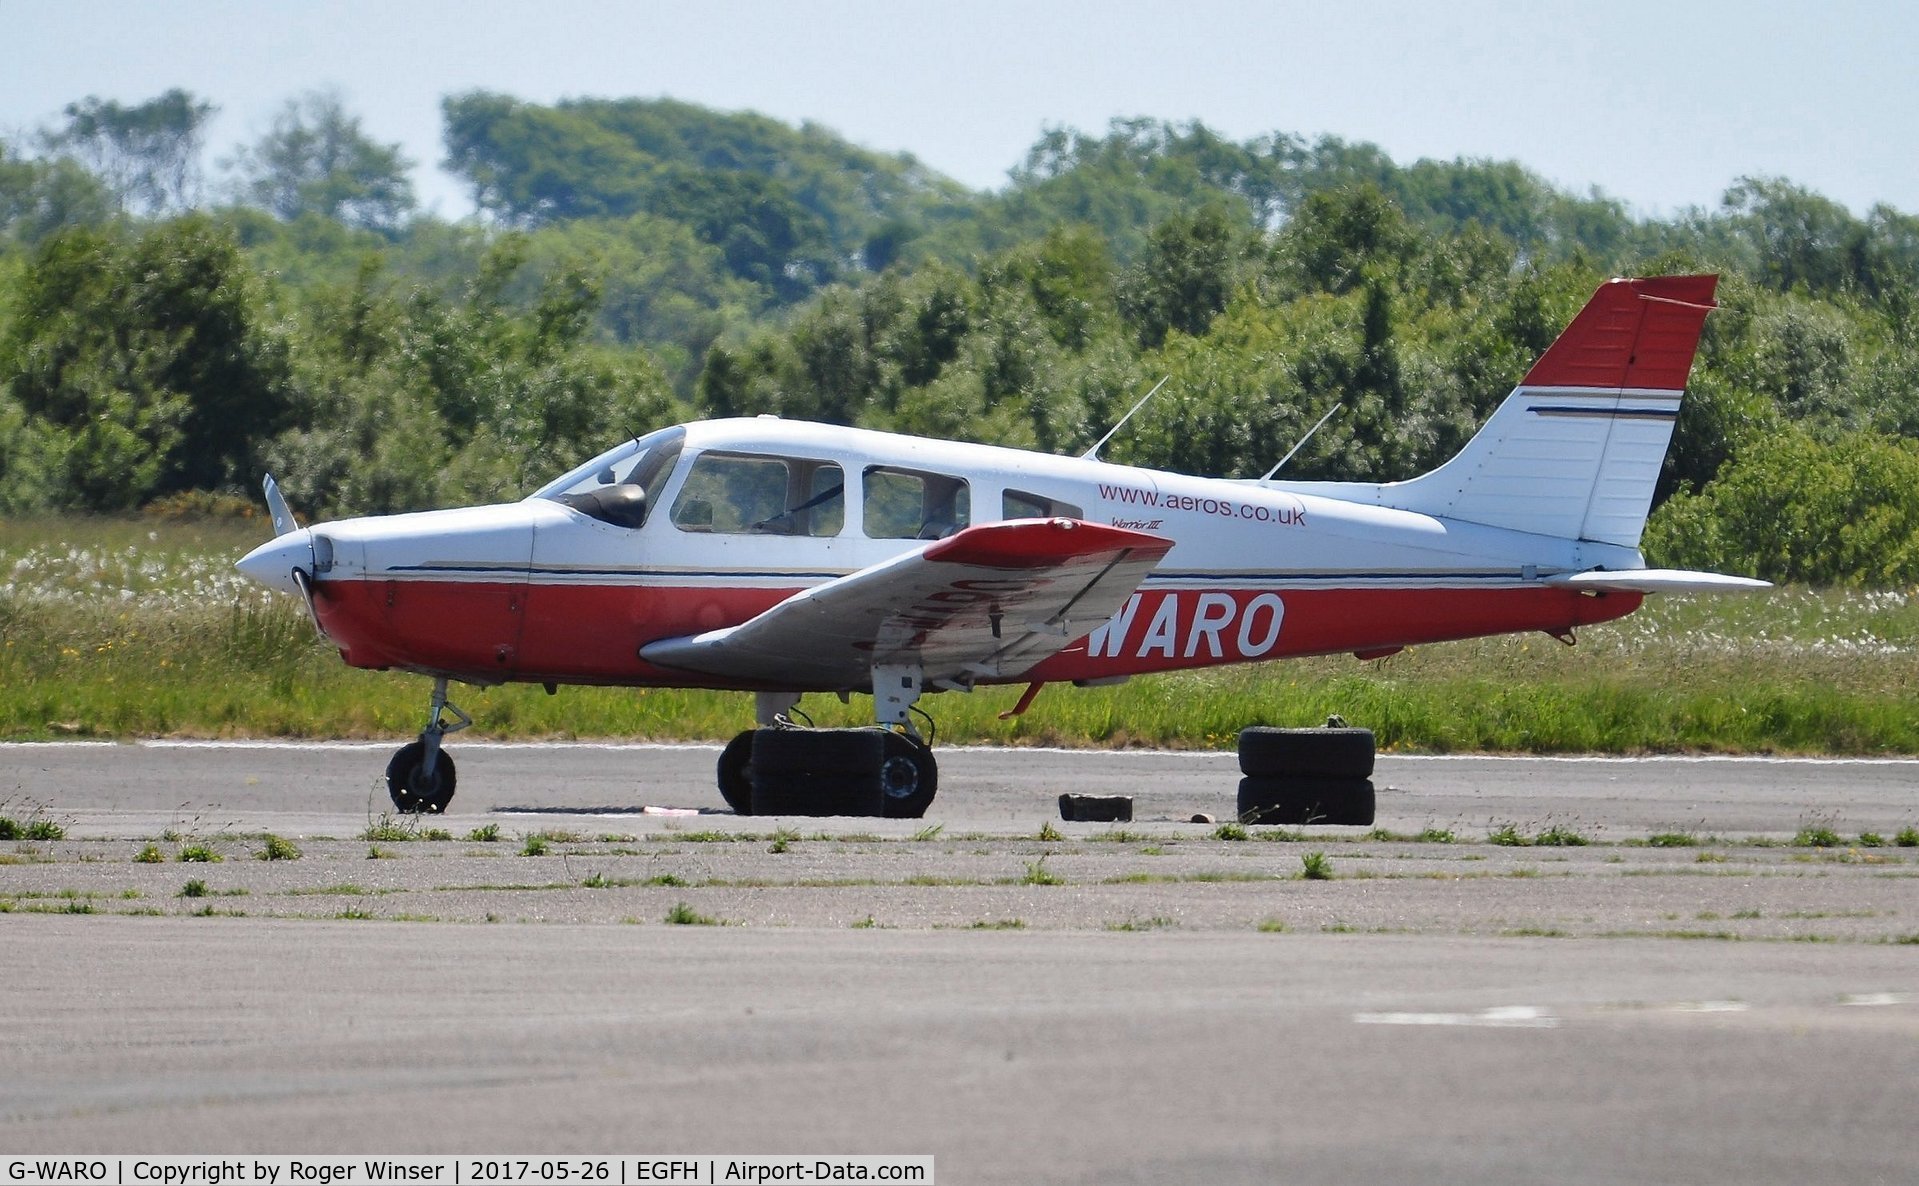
986, 604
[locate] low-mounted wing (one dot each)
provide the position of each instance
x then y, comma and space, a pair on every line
986, 604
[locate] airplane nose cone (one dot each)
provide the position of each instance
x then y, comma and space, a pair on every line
273, 562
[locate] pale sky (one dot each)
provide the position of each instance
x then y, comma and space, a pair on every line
1663, 104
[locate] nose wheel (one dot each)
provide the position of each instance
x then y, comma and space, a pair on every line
416, 790
420, 778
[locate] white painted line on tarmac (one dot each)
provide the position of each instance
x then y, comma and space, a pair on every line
1623, 760
1208, 755
464, 744
1711, 1007
1498, 1017
56, 745
266, 744
1870, 999
1649, 759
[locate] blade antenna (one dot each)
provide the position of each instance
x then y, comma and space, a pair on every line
1302, 442
1092, 454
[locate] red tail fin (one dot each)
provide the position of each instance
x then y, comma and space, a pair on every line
1574, 452
1633, 334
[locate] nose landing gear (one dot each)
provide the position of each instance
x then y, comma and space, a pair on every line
420, 778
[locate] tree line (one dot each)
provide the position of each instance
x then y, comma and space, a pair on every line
167, 333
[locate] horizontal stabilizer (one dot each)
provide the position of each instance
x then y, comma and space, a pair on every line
1657, 580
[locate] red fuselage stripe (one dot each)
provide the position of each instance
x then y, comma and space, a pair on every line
490, 632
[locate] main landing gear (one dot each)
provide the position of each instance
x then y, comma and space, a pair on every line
420, 778
783, 769
779, 768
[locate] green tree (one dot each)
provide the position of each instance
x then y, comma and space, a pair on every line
1339, 237
1790, 507
1185, 275
661, 285
1142, 173
1070, 275
39, 197
788, 208
316, 160
147, 365
933, 327
148, 154
1887, 260
426, 398
1802, 238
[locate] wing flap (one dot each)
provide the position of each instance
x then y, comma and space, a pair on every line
987, 603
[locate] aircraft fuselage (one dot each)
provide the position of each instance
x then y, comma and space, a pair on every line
544, 591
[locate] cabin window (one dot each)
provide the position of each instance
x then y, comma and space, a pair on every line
755, 494
1017, 504
913, 504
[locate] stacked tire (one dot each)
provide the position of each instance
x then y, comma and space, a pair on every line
1306, 776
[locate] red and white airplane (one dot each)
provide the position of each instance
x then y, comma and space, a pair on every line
782, 558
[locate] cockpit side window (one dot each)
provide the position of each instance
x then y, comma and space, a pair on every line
1017, 504
618, 487
757, 494
913, 504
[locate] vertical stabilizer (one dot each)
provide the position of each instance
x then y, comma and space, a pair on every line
1575, 451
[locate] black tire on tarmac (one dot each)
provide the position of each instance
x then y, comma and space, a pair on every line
817, 772
816, 751
1347, 802
817, 794
909, 777
411, 791
1306, 753
1096, 808
735, 773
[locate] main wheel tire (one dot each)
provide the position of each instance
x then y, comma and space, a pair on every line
816, 751
1306, 753
735, 773
817, 772
909, 777
1348, 802
817, 794
411, 790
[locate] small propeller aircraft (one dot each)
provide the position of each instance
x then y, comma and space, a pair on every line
781, 558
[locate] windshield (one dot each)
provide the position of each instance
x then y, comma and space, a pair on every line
621, 483
619, 464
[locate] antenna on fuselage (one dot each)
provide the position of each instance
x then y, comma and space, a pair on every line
1302, 442
1092, 454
